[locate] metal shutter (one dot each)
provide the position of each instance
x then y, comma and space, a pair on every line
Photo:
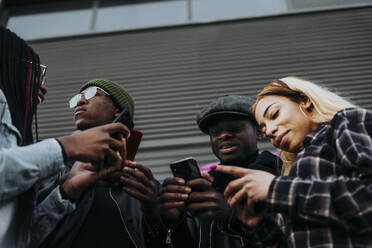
172, 73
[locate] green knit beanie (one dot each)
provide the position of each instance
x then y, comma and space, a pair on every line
119, 96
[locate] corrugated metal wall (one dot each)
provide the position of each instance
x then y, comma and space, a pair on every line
172, 73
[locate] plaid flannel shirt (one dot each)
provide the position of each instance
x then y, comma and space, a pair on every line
327, 196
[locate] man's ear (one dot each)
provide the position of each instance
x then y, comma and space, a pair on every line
117, 112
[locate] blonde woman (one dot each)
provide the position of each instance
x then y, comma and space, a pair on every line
326, 198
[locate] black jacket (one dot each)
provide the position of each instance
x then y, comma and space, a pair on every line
196, 233
129, 209
130, 212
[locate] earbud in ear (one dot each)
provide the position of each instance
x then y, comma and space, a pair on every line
259, 135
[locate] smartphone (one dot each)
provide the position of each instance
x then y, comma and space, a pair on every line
125, 118
186, 168
135, 135
43, 74
133, 143
221, 180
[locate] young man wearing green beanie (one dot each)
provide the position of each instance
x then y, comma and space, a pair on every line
121, 216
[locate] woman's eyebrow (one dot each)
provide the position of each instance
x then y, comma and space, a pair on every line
265, 112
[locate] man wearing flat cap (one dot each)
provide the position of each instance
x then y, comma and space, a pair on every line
199, 204
116, 216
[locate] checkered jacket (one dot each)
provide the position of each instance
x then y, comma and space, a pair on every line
326, 200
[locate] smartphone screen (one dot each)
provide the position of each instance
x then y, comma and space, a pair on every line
185, 168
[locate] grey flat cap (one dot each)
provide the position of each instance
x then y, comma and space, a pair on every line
240, 106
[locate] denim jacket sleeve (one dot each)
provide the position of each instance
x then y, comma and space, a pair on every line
22, 167
51, 211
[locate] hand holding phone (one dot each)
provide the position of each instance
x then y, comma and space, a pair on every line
186, 168
135, 135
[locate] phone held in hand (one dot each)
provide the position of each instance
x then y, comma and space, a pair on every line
186, 168
125, 118
43, 74
221, 180
135, 135
133, 143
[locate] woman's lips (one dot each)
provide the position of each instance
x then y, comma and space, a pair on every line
283, 140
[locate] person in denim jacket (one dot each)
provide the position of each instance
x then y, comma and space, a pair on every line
24, 165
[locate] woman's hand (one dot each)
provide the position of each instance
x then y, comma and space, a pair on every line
252, 184
243, 193
247, 215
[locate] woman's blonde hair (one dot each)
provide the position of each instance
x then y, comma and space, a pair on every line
324, 103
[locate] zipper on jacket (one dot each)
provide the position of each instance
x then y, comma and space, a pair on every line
210, 234
237, 236
168, 240
122, 219
200, 233
242, 242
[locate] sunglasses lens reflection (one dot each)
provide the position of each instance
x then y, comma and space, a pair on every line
88, 94
73, 101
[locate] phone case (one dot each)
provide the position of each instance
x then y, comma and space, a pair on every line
185, 168
133, 143
135, 135
221, 180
